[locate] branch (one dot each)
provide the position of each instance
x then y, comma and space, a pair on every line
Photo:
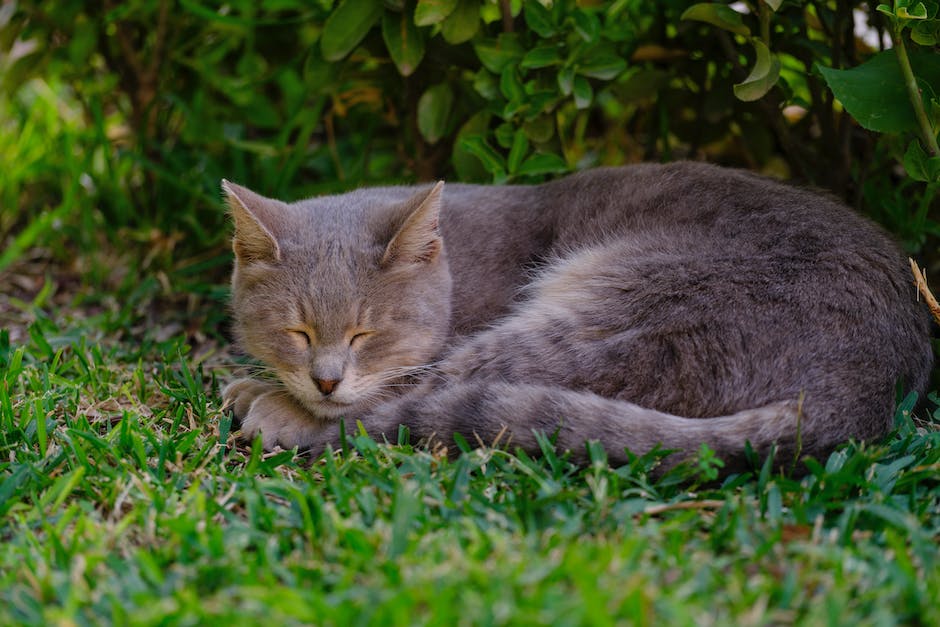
913, 92
506, 10
920, 280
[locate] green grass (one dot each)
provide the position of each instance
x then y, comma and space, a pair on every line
124, 499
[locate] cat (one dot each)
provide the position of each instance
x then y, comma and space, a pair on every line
647, 305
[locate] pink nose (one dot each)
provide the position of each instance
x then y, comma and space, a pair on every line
326, 386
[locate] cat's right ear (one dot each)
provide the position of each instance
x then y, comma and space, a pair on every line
255, 223
418, 240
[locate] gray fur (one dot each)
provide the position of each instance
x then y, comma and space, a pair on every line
654, 304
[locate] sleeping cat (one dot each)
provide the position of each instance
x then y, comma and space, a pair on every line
673, 304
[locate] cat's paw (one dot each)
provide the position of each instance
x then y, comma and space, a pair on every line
264, 408
238, 396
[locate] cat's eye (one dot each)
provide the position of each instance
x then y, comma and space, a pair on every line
300, 337
358, 337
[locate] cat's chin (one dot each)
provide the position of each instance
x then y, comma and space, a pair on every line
331, 409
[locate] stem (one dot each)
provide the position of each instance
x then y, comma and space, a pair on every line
913, 92
506, 10
764, 15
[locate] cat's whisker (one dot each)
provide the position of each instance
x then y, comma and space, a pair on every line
254, 369
424, 371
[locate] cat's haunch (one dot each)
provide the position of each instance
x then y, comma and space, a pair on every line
673, 304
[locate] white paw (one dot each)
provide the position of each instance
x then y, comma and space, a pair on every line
264, 408
239, 394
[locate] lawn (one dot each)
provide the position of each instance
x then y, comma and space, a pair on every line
125, 499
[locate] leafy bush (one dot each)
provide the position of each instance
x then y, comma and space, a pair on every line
295, 98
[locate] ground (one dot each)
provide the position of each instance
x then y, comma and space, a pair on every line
125, 498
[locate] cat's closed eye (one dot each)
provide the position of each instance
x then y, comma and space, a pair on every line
358, 337
302, 339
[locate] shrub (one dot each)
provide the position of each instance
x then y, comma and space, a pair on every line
296, 98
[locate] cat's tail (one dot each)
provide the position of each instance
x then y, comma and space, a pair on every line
485, 413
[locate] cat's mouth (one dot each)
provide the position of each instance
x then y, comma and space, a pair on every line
329, 400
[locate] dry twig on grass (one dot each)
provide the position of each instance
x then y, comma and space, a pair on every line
920, 280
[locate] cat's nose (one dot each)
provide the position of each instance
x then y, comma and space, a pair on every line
326, 386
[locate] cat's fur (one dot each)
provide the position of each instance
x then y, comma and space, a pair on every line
656, 304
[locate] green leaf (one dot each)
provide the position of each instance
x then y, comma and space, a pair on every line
539, 19
485, 84
83, 42
433, 112
318, 75
433, 11
566, 80
504, 134
926, 33
919, 165
510, 85
884, 8
497, 54
405, 509
404, 41
519, 149
347, 26
463, 23
467, 165
543, 56
543, 163
587, 26
603, 65
917, 12
719, 15
763, 76
874, 92
478, 147
540, 102
583, 92
773, 4
540, 129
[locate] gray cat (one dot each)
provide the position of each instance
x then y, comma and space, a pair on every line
671, 304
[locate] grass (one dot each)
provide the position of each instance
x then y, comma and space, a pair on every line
124, 499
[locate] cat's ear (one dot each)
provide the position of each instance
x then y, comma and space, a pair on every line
256, 219
418, 240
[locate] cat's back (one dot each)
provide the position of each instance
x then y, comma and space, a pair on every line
706, 201
743, 289
715, 219
691, 203
723, 236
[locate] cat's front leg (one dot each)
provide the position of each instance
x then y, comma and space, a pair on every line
238, 395
381, 424
265, 408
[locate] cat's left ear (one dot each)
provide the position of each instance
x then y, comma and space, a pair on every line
419, 238
256, 224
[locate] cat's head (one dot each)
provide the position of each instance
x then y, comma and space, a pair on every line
341, 296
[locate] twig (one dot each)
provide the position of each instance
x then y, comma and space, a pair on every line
928, 135
920, 280
505, 9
